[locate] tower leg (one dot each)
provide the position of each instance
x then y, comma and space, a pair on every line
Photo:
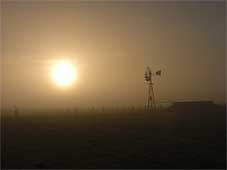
153, 98
150, 97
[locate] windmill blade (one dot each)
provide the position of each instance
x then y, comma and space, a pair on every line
158, 73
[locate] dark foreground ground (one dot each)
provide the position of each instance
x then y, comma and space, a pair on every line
164, 139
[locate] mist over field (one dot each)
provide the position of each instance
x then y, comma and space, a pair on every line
110, 44
113, 84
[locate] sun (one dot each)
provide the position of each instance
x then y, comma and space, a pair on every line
63, 73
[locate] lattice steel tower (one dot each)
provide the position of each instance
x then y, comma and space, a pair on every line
150, 98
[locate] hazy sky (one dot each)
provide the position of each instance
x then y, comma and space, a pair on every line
111, 45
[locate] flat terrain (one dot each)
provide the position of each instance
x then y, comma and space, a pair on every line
115, 139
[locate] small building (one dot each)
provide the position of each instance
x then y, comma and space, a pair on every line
200, 111
193, 106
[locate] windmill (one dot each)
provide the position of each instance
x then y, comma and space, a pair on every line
151, 98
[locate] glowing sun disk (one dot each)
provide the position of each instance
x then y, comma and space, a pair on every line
63, 73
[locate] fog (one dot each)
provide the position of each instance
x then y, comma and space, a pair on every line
111, 45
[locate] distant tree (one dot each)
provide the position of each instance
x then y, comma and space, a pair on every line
103, 109
75, 110
16, 112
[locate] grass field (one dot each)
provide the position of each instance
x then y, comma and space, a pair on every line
115, 139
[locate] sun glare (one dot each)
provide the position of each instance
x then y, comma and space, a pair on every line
63, 73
